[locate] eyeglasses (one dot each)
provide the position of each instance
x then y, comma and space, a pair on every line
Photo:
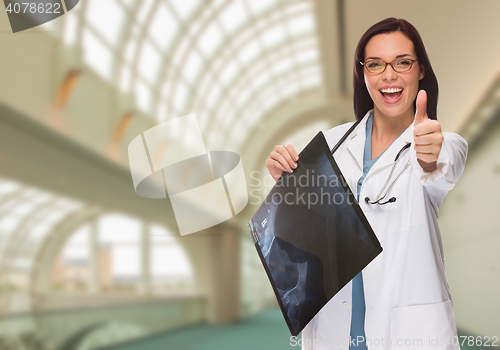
400, 65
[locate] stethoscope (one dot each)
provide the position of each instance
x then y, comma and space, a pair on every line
380, 196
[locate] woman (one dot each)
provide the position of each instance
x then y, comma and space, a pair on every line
401, 299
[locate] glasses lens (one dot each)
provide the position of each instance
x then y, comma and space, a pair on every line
402, 65
375, 66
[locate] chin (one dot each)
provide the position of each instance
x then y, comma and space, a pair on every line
393, 112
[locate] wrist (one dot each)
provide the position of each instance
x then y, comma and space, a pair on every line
427, 167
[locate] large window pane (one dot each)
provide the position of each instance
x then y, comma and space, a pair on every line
97, 55
106, 17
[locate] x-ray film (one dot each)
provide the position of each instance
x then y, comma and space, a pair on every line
311, 235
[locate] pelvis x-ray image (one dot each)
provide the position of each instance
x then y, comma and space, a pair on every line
311, 235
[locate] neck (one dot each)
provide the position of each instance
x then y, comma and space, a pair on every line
386, 129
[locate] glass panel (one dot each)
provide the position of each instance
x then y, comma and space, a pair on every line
8, 224
300, 25
19, 208
163, 27
297, 7
170, 266
261, 79
143, 96
119, 242
20, 264
242, 98
249, 52
274, 35
213, 95
288, 90
71, 267
7, 187
70, 28
229, 72
149, 62
106, 17
282, 65
257, 6
181, 94
97, 55
307, 56
210, 40
233, 16
192, 67
118, 229
311, 81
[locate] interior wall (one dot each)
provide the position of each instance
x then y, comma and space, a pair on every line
471, 237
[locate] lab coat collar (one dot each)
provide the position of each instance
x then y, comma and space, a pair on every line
356, 146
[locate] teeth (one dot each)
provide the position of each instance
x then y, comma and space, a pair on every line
391, 90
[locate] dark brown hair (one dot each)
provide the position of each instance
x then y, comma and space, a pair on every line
362, 100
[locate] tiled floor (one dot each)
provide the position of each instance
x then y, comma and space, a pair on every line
264, 331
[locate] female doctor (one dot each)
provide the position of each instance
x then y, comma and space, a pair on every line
399, 165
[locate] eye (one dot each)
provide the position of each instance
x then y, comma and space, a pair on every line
374, 64
403, 63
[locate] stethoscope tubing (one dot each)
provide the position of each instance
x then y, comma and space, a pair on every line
367, 199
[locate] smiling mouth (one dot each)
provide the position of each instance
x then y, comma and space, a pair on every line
391, 95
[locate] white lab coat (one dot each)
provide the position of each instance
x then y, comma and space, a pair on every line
407, 296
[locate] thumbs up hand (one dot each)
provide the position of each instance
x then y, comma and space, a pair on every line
427, 135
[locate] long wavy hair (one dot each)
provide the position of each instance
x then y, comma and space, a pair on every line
362, 100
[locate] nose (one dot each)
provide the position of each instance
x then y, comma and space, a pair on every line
389, 73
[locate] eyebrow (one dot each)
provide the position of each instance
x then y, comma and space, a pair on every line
378, 58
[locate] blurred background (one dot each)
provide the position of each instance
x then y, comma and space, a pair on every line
85, 263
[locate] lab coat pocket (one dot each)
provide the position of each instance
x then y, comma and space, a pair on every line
408, 207
427, 326
397, 216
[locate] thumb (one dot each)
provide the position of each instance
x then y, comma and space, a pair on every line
421, 113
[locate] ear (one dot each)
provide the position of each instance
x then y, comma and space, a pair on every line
422, 72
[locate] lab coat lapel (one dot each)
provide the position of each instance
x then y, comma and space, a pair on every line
356, 141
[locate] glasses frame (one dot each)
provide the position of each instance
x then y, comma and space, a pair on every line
387, 63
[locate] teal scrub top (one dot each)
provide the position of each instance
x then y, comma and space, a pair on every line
358, 295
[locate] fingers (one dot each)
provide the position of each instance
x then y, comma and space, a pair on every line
287, 152
281, 161
421, 113
283, 158
272, 164
428, 149
430, 126
430, 138
291, 150
275, 168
